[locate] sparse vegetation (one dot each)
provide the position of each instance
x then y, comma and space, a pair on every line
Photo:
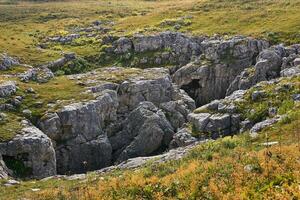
237, 167
25, 23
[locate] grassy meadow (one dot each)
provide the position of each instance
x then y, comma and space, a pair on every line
23, 24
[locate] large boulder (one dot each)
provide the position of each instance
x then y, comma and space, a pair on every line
80, 127
177, 111
30, 154
147, 131
157, 89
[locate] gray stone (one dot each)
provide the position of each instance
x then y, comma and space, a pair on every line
4, 171
7, 62
79, 129
221, 63
177, 111
257, 95
290, 72
156, 90
149, 130
34, 149
199, 121
7, 89
104, 86
296, 97
297, 61
267, 67
40, 75
182, 138
261, 125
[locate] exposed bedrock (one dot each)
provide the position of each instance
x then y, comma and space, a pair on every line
209, 77
170, 47
29, 154
78, 129
137, 117
271, 63
133, 112
146, 131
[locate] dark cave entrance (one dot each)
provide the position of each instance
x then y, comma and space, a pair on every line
192, 89
17, 166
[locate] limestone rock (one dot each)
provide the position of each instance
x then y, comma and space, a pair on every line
7, 62
80, 127
177, 111
221, 62
148, 130
182, 138
7, 89
34, 149
3, 169
156, 90
267, 67
289, 72
57, 64
173, 47
261, 125
41, 75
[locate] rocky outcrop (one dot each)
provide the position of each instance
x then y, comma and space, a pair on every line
261, 125
7, 89
267, 67
173, 154
7, 62
147, 130
29, 154
156, 90
169, 48
40, 75
57, 64
133, 117
80, 128
218, 118
220, 63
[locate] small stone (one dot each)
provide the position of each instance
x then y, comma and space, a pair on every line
30, 90
269, 143
248, 168
35, 189
256, 95
297, 61
296, 97
13, 182
27, 112
272, 111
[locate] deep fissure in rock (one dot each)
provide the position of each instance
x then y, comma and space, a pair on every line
192, 89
